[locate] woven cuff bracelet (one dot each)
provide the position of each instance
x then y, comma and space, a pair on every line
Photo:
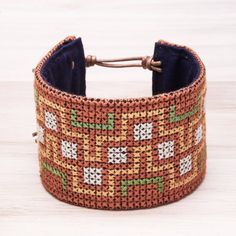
121, 153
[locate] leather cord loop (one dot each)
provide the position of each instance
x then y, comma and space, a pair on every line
147, 62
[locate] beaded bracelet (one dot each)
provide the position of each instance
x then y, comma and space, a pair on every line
120, 153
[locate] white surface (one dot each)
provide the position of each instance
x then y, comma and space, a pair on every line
115, 28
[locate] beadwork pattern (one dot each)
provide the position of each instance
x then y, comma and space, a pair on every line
121, 154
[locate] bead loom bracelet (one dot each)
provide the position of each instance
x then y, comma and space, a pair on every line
120, 153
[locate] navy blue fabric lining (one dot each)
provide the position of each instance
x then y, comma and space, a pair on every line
179, 68
65, 69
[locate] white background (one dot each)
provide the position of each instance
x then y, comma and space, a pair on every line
29, 28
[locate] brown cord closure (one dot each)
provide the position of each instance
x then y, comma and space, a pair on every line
34, 134
147, 62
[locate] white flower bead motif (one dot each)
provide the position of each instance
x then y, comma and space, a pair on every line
143, 131
68, 149
117, 155
185, 164
166, 149
93, 175
198, 135
50, 120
